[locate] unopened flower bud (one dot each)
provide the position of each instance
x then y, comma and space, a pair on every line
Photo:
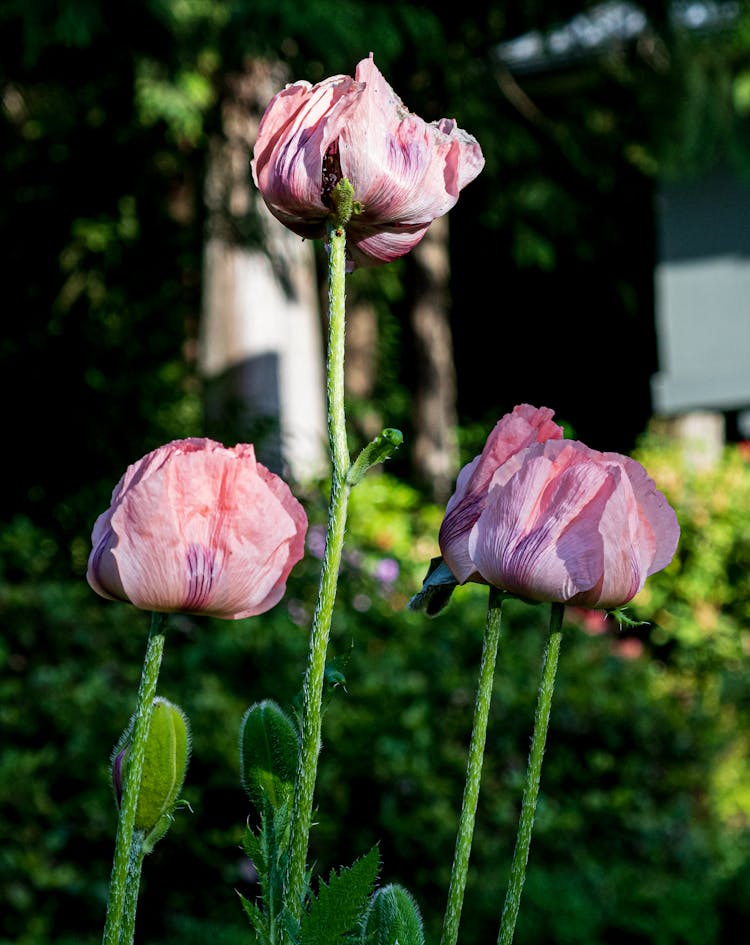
393, 917
164, 767
269, 749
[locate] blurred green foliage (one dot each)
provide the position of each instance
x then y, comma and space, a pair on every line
643, 830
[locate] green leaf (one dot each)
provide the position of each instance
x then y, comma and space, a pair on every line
257, 920
340, 904
267, 847
623, 619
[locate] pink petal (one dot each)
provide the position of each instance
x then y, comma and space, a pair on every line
197, 528
538, 536
403, 170
294, 134
369, 246
512, 434
628, 545
655, 509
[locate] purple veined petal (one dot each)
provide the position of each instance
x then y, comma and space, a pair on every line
404, 171
538, 535
512, 435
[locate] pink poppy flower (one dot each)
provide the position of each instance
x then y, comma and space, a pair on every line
556, 521
198, 528
515, 431
404, 171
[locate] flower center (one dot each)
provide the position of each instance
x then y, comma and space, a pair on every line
331, 174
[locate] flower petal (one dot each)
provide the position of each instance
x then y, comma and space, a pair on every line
198, 528
512, 434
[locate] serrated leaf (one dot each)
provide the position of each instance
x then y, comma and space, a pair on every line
340, 904
257, 920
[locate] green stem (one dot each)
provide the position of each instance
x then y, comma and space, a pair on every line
474, 769
314, 676
533, 777
132, 887
132, 780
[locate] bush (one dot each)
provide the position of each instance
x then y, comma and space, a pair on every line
642, 826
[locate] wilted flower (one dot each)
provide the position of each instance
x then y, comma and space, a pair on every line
195, 527
549, 519
404, 172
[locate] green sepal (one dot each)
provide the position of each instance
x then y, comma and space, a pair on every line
393, 918
437, 587
340, 904
269, 750
164, 767
618, 614
380, 449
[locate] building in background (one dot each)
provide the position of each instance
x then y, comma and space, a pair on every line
701, 387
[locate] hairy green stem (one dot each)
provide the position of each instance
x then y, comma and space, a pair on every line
132, 887
132, 780
304, 787
474, 769
533, 777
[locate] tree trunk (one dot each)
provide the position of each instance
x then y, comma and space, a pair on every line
435, 447
261, 350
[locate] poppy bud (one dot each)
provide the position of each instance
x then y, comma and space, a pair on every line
393, 918
164, 767
269, 749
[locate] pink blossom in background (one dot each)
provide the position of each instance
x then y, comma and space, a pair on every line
195, 527
404, 171
629, 648
552, 520
387, 570
316, 540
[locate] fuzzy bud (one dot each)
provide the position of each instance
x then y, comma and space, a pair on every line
393, 918
164, 767
269, 749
